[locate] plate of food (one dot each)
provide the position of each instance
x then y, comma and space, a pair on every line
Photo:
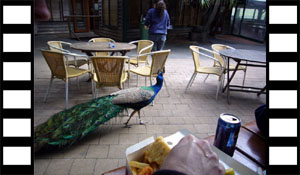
147, 156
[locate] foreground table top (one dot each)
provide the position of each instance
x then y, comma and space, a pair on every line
102, 47
118, 171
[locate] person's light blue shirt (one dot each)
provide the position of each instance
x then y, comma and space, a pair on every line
157, 24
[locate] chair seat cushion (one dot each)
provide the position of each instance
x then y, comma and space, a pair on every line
80, 62
210, 70
232, 67
133, 60
74, 72
143, 70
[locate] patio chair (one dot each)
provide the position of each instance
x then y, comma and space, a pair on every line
215, 70
108, 71
158, 63
58, 46
101, 40
59, 69
219, 47
143, 47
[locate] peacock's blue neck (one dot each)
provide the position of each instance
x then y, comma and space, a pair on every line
159, 84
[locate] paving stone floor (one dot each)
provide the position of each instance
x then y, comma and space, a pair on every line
197, 110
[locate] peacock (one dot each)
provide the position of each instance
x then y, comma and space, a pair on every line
69, 126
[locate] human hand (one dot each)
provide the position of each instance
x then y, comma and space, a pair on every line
146, 27
193, 157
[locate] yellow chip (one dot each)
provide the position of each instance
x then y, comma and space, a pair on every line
137, 164
158, 151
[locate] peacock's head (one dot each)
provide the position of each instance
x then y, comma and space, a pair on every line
160, 75
159, 78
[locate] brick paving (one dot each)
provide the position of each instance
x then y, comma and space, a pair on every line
197, 110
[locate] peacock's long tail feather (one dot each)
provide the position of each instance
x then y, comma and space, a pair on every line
68, 126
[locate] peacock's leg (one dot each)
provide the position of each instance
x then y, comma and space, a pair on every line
126, 124
127, 111
141, 121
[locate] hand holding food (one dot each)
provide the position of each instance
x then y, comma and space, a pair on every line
190, 156
194, 157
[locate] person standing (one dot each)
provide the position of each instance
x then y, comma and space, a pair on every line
157, 21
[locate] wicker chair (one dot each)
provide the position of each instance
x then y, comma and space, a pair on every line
59, 69
101, 40
159, 59
143, 47
219, 47
108, 71
215, 70
58, 46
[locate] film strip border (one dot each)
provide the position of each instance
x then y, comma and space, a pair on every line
16, 99
283, 86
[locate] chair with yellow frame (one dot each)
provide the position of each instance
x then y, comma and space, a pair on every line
215, 70
108, 71
159, 59
143, 47
219, 47
101, 40
59, 46
57, 64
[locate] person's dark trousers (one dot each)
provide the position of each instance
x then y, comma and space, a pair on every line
159, 41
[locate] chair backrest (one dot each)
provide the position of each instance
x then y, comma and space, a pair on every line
55, 46
196, 56
101, 40
56, 63
109, 69
159, 59
197, 51
141, 48
217, 48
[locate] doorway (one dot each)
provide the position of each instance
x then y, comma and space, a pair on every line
81, 12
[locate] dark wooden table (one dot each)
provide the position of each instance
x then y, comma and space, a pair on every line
250, 148
251, 58
89, 47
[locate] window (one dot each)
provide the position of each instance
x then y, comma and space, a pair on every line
110, 12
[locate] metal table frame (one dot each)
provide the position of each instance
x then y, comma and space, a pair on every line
240, 88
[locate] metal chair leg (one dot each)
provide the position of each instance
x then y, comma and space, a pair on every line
189, 83
206, 78
78, 86
219, 87
93, 89
67, 93
48, 89
165, 82
137, 80
128, 79
96, 92
193, 79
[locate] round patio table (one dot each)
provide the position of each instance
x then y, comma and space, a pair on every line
243, 57
89, 47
